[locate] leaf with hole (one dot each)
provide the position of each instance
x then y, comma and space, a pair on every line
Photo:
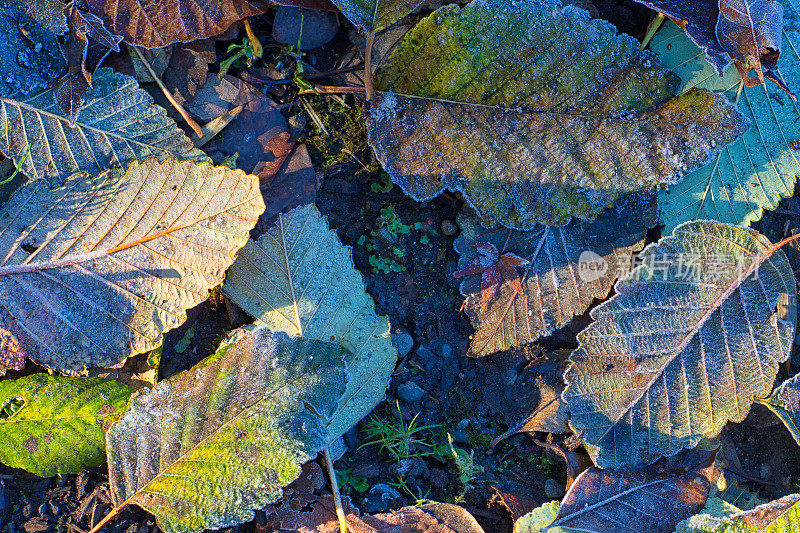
777, 516
299, 278
756, 171
565, 269
690, 338
57, 424
206, 447
653, 499
118, 123
97, 269
536, 113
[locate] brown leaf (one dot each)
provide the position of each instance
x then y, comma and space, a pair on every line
155, 24
294, 184
188, 69
576, 462
429, 518
653, 499
516, 504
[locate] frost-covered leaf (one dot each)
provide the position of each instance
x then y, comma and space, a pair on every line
119, 123
538, 519
653, 499
61, 422
758, 170
376, 15
31, 56
785, 403
299, 278
206, 447
778, 516
690, 338
566, 268
155, 24
536, 114
97, 269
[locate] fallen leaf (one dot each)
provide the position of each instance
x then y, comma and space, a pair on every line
159, 59
481, 100
690, 338
156, 24
119, 123
376, 15
429, 518
60, 426
206, 447
299, 278
755, 172
720, 517
653, 499
96, 270
292, 185
565, 269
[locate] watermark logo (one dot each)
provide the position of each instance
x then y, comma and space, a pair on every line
591, 266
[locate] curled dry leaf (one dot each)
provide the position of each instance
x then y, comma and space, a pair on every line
785, 403
481, 100
755, 172
206, 447
155, 24
97, 269
653, 499
549, 274
299, 278
118, 124
60, 426
690, 338
782, 515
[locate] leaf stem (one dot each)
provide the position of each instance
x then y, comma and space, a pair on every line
18, 166
107, 518
178, 107
368, 66
337, 498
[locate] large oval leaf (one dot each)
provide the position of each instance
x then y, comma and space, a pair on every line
535, 113
755, 172
565, 269
691, 337
61, 422
205, 447
777, 516
299, 278
118, 123
653, 499
95, 270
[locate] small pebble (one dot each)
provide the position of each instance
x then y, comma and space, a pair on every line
403, 342
553, 489
449, 227
464, 424
446, 350
410, 392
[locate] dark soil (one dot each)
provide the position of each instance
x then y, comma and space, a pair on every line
434, 381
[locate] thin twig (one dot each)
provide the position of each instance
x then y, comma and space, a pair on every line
334, 89
337, 498
216, 125
368, 65
178, 107
246, 76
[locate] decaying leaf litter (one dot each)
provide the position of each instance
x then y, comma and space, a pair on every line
118, 233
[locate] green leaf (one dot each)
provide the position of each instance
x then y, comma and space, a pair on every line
652, 499
540, 518
777, 516
375, 15
785, 403
758, 170
119, 123
690, 338
205, 447
536, 114
566, 269
97, 269
60, 426
299, 278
